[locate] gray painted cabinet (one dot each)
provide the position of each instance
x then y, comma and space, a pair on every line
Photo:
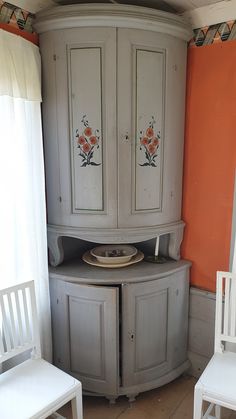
113, 110
124, 337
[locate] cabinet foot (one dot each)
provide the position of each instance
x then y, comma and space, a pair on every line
132, 397
112, 400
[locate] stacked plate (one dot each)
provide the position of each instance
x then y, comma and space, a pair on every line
113, 256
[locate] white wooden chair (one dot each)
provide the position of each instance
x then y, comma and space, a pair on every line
34, 388
217, 384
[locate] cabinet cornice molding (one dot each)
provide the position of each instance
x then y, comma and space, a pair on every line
123, 16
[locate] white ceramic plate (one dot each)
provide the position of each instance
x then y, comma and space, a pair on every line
91, 260
114, 253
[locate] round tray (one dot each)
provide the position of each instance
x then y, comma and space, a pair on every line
91, 260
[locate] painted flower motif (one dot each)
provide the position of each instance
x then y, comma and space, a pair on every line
144, 140
86, 143
151, 148
155, 141
150, 132
149, 143
86, 148
93, 140
81, 140
88, 132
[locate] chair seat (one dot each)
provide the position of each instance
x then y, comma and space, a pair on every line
27, 389
219, 378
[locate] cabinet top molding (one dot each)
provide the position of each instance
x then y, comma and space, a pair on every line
112, 15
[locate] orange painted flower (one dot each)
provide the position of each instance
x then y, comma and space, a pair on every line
81, 140
88, 132
155, 141
151, 148
144, 141
93, 140
86, 148
149, 132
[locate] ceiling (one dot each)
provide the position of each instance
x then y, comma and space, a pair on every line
178, 6
175, 6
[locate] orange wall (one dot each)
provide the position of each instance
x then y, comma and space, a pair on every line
32, 37
210, 160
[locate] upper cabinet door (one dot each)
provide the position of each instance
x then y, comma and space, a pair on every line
83, 149
151, 95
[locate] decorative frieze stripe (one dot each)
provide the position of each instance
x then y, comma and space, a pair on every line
17, 20
220, 32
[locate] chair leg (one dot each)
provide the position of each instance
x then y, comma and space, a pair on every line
76, 406
198, 401
217, 411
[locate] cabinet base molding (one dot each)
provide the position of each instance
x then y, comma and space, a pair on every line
117, 236
165, 379
132, 392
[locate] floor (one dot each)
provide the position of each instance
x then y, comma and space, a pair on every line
174, 400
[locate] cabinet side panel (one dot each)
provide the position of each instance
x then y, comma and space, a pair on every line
60, 325
179, 326
50, 115
86, 128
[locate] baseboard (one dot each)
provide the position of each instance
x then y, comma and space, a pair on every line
198, 364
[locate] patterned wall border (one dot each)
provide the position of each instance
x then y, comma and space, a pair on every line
18, 21
15, 16
220, 32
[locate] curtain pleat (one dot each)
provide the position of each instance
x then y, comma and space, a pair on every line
20, 69
22, 209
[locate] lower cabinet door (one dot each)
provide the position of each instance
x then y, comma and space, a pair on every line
85, 325
146, 331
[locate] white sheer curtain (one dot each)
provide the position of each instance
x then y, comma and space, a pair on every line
23, 250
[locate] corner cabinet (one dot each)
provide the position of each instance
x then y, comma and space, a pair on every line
113, 112
124, 333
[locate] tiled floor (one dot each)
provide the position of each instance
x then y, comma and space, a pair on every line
175, 401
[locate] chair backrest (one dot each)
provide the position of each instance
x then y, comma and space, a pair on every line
225, 318
19, 329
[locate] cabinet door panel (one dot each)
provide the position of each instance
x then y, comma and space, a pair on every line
82, 147
86, 112
151, 347
85, 334
150, 72
145, 333
151, 97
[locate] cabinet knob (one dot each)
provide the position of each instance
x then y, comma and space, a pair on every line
131, 336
